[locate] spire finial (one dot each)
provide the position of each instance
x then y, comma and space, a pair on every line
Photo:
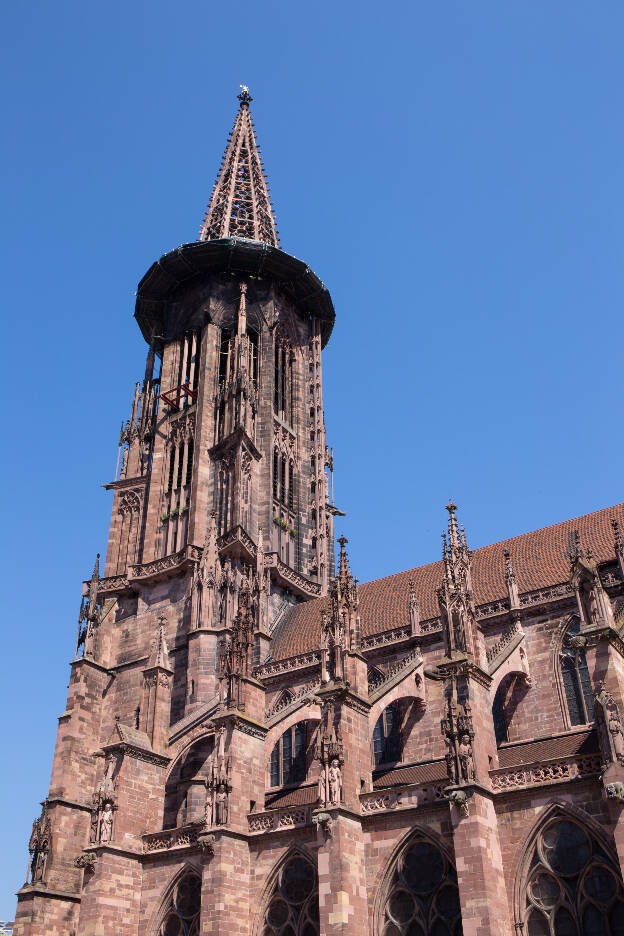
245, 97
451, 507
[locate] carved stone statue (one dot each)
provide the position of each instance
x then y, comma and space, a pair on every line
466, 760
106, 787
335, 783
105, 830
221, 805
615, 791
322, 783
610, 731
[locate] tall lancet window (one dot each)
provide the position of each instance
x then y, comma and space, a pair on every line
253, 354
577, 688
387, 736
282, 389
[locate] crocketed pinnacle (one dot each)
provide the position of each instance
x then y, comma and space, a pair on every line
240, 205
159, 657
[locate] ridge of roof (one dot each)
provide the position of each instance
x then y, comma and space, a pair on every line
509, 539
540, 560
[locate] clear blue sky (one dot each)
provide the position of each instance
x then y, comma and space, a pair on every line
453, 171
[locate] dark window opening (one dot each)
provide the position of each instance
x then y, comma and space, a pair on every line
291, 486
253, 354
386, 737
189, 461
171, 468
180, 467
224, 355
500, 722
576, 681
288, 757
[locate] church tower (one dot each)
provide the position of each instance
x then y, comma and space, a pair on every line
229, 417
221, 521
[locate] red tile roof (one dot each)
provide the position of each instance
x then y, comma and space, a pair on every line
428, 772
585, 742
539, 559
299, 796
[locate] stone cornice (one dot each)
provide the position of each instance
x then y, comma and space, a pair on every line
65, 801
114, 849
462, 666
88, 661
165, 566
130, 750
125, 483
40, 890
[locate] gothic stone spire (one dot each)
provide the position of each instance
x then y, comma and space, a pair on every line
240, 205
455, 593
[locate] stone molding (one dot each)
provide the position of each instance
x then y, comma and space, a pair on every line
40, 890
280, 820
276, 668
164, 566
404, 797
545, 772
504, 646
150, 757
378, 686
183, 837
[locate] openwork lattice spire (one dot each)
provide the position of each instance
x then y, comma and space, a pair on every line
240, 205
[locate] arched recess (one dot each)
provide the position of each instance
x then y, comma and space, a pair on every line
289, 905
510, 693
292, 754
418, 893
305, 712
391, 723
185, 786
179, 910
568, 879
572, 674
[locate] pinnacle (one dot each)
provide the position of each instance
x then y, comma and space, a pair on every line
240, 205
159, 656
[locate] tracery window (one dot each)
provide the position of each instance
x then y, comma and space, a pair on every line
575, 676
282, 386
288, 757
293, 909
573, 885
423, 898
387, 736
182, 914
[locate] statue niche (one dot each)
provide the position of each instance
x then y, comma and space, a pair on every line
609, 724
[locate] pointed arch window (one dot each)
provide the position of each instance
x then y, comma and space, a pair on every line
288, 757
293, 908
500, 721
282, 387
387, 736
224, 356
422, 898
576, 682
182, 913
253, 354
573, 885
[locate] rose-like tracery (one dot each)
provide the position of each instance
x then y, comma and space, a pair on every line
293, 908
573, 885
423, 899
